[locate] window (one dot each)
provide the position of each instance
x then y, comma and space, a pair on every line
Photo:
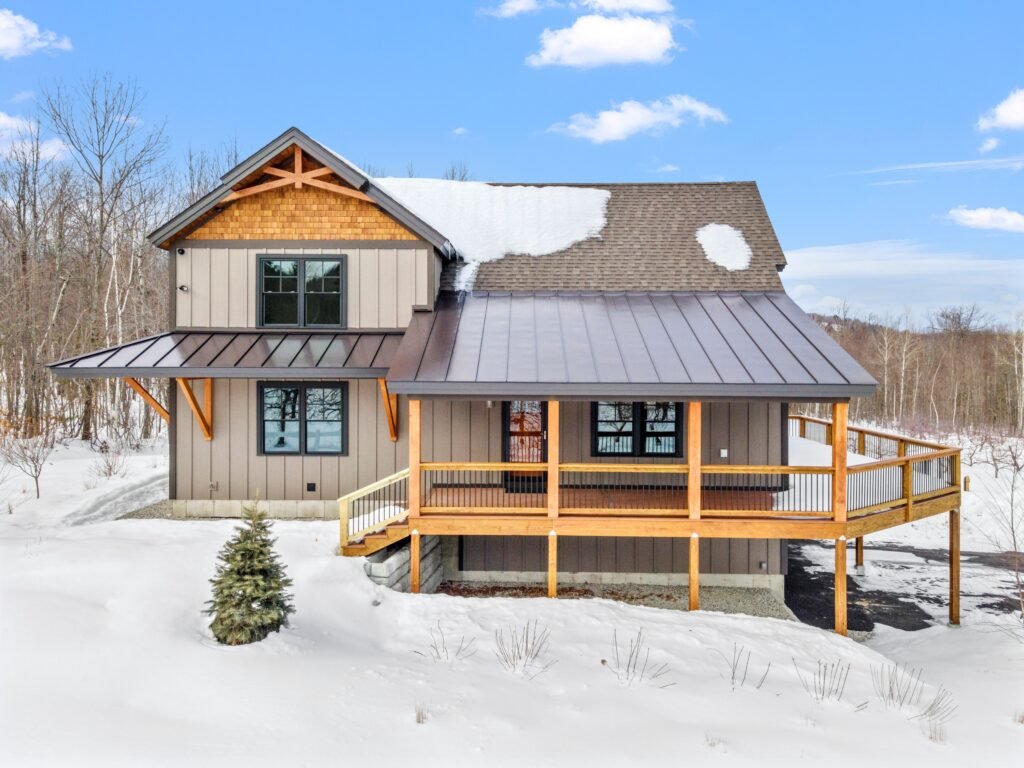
302, 291
300, 419
636, 429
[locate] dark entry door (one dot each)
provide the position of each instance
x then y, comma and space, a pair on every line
525, 439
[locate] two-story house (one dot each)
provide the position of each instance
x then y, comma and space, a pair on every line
572, 382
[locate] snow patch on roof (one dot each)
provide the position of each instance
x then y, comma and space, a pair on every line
725, 246
485, 222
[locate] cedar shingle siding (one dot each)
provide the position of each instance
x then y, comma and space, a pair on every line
649, 244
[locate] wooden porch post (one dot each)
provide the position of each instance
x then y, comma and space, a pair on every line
860, 555
694, 572
693, 459
553, 458
840, 596
552, 564
954, 566
415, 455
840, 412
414, 562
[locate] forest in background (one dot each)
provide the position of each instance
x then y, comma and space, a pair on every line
75, 209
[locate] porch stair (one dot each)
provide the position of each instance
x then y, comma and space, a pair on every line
375, 542
375, 516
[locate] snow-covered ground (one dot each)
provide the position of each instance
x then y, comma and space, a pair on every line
105, 659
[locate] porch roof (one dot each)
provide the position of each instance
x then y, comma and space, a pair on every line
241, 354
636, 345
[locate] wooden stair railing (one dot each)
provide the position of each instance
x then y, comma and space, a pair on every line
374, 517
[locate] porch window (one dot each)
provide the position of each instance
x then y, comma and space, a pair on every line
302, 292
636, 429
297, 419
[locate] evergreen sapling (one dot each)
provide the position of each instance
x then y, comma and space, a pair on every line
250, 597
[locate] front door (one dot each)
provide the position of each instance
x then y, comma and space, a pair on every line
525, 438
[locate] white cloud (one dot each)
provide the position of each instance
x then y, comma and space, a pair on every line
20, 37
988, 218
594, 41
667, 168
633, 117
887, 277
892, 183
1015, 163
988, 145
460, 131
22, 96
510, 8
15, 131
1007, 114
629, 6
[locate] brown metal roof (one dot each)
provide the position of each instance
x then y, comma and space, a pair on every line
623, 344
649, 243
241, 354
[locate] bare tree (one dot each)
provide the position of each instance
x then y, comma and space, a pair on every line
456, 171
29, 454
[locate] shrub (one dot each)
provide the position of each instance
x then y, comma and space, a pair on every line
635, 666
250, 597
520, 649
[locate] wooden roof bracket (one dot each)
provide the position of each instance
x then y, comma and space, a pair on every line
204, 414
298, 178
151, 401
390, 409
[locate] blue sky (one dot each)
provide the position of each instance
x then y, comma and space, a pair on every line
887, 138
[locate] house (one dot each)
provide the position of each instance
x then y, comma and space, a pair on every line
582, 381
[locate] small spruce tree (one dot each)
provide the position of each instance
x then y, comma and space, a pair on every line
250, 597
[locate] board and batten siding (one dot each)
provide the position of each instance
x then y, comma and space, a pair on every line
222, 282
230, 466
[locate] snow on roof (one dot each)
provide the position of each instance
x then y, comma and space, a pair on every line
485, 222
725, 246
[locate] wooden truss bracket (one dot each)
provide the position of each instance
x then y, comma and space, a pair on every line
297, 178
390, 409
204, 414
151, 401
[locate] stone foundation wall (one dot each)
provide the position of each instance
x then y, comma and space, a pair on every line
276, 510
390, 567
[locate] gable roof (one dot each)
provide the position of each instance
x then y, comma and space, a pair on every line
649, 243
622, 345
345, 170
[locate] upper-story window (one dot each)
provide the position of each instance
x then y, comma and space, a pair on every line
636, 429
307, 291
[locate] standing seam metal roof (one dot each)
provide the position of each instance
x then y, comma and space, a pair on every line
629, 344
241, 354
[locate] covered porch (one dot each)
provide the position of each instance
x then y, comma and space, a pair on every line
690, 353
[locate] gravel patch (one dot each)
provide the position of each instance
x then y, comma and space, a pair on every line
158, 511
744, 600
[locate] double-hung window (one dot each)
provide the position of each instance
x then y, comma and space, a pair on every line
636, 429
307, 291
306, 418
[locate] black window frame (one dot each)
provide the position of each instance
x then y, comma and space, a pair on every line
639, 433
302, 259
302, 386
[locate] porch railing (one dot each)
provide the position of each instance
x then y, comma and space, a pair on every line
905, 468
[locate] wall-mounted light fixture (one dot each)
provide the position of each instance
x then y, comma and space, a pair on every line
181, 251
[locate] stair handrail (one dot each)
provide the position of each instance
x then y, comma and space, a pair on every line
345, 503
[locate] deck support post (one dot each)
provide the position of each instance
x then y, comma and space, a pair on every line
840, 411
415, 456
694, 580
552, 564
553, 450
954, 567
840, 594
860, 556
414, 562
693, 459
